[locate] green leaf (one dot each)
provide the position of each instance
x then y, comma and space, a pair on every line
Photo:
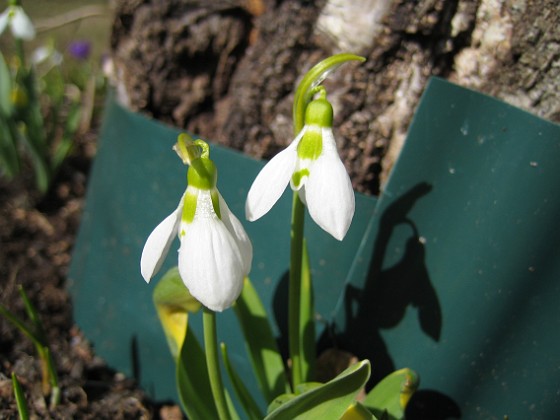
173, 301
261, 345
329, 401
231, 408
193, 383
9, 158
306, 88
357, 411
36, 334
66, 141
6, 106
390, 396
20, 399
20, 325
34, 317
32, 130
243, 395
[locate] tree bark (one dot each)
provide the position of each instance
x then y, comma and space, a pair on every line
227, 70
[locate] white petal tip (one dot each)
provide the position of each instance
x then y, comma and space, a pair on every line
146, 278
250, 216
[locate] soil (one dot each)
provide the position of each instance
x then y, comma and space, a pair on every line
36, 236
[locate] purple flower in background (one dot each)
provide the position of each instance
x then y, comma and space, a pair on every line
80, 49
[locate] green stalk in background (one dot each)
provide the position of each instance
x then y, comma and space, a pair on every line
36, 334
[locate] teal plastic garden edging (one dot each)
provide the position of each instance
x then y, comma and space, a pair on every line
464, 281
453, 272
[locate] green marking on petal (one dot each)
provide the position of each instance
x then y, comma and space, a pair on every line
216, 203
298, 176
189, 207
311, 144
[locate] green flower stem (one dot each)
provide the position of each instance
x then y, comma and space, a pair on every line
300, 304
212, 361
294, 297
306, 88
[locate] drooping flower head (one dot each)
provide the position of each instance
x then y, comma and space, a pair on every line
15, 17
215, 252
312, 166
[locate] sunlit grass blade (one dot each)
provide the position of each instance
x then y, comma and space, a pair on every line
20, 399
19, 324
328, 401
50, 376
392, 394
37, 335
261, 345
243, 395
33, 315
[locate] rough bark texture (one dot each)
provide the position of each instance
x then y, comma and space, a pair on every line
226, 70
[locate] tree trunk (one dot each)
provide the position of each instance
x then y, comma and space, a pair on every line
227, 70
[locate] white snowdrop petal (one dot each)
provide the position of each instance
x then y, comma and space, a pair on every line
4, 18
21, 25
210, 264
329, 194
271, 182
158, 243
236, 229
40, 54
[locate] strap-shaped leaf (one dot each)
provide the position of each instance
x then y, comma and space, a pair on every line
261, 344
6, 107
357, 411
173, 302
329, 401
243, 395
20, 398
392, 394
9, 157
193, 383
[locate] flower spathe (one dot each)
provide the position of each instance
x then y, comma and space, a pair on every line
15, 17
215, 252
312, 166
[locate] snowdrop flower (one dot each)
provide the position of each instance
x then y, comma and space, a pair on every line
18, 21
215, 252
312, 166
46, 56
